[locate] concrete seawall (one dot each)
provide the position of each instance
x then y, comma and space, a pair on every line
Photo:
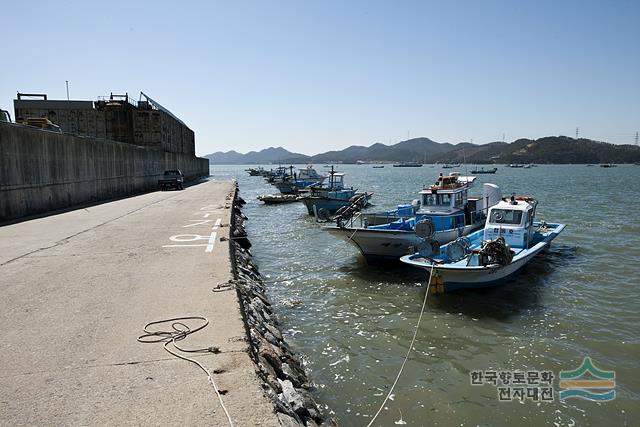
42, 170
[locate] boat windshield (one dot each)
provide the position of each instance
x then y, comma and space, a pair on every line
459, 199
437, 200
506, 216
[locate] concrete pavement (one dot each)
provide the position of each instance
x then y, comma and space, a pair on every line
77, 289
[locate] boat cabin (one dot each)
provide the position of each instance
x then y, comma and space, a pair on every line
336, 181
309, 173
513, 220
445, 201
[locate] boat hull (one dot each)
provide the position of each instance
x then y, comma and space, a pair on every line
331, 205
390, 245
484, 277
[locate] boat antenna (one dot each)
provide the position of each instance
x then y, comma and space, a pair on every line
464, 159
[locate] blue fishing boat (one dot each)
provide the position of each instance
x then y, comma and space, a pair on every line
323, 200
444, 207
295, 181
492, 256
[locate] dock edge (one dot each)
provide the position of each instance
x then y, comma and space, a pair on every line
284, 380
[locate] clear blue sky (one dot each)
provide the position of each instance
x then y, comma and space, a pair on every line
318, 75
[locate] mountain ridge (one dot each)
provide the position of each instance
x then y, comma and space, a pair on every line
549, 149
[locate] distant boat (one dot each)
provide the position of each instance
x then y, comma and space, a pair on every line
408, 165
451, 166
482, 170
259, 171
272, 199
515, 165
608, 165
378, 167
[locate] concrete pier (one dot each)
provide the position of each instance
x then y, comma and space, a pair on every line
77, 289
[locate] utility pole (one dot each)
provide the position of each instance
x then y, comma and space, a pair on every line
67, 82
577, 132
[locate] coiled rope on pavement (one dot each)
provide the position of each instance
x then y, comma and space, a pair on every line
406, 357
179, 332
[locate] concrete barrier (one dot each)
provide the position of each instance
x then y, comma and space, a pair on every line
43, 170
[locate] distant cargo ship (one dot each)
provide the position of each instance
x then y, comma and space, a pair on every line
408, 165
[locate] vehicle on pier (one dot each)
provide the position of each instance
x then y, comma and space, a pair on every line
172, 178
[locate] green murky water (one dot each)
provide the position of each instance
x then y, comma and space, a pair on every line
354, 322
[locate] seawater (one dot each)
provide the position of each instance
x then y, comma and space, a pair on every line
353, 322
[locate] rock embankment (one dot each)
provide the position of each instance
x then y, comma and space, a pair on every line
283, 376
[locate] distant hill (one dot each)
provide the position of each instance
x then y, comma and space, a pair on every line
268, 155
551, 149
417, 149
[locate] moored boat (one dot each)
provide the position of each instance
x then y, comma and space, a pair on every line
322, 200
491, 256
272, 199
482, 170
444, 207
259, 171
408, 165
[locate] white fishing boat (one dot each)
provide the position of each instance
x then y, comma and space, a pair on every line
491, 256
445, 208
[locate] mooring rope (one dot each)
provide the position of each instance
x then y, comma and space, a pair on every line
406, 357
181, 331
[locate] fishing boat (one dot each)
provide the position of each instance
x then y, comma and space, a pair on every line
259, 171
451, 166
444, 207
295, 181
277, 175
272, 199
378, 167
515, 165
608, 165
492, 256
322, 200
484, 171
408, 165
